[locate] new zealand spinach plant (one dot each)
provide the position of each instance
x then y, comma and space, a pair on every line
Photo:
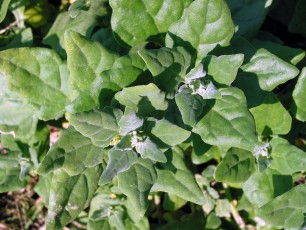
181, 112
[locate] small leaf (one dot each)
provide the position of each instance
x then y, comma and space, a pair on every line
144, 99
38, 76
202, 34
227, 122
286, 211
101, 126
270, 70
118, 162
261, 188
136, 183
3, 9
299, 97
236, 167
287, 159
175, 178
169, 133
142, 20
148, 149
129, 122
223, 69
72, 153
70, 195
271, 117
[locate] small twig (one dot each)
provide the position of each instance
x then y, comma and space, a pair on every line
10, 26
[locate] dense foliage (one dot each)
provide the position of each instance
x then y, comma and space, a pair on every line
181, 112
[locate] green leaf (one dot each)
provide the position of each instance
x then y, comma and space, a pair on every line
173, 202
3, 9
118, 161
184, 222
298, 23
227, 122
86, 60
261, 188
299, 97
168, 66
286, 211
236, 167
288, 54
143, 20
136, 184
38, 76
175, 178
248, 16
213, 222
129, 122
287, 159
69, 195
190, 106
270, 70
42, 188
22, 39
202, 34
101, 126
72, 153
84, 24
148, 149
144, 99
223, 69
271, 117
169, 133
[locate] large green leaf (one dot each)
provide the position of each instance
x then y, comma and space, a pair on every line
118, 162
236, 167
3, 9
138, 21
286, 211
175, 178
298, 22
270, 69
248, 16
136, 183
72, 153
86, 60
38, 76
227, 121
223, 69
84, 24
129, 121
69, 195
287, 158
299, 97
168, 66
190, 106
144, 99
202, 34
261, 188
101, 126
271, 117
169, 133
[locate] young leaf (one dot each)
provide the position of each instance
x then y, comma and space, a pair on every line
175, 178
118, 162
39, 77
136, 184
86, 60
69, 195
72, 153
141, 20
236, 167
101, 126
227, 122
287, 159
270, 70
144, 99
200, 35
169, 133
129, 122
168, 66
299, 97
271, 117
223, 69
286, 211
